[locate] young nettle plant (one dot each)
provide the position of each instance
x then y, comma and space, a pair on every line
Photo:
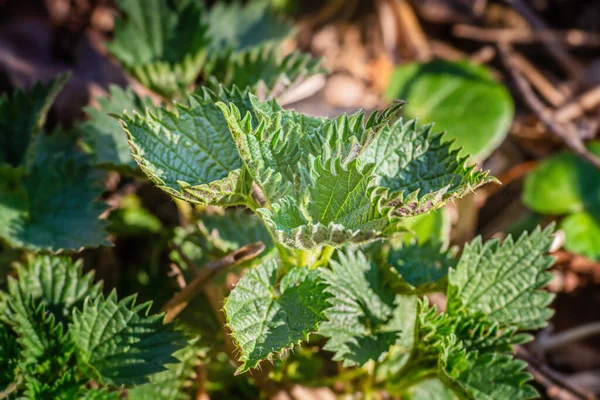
58, 332
324, 188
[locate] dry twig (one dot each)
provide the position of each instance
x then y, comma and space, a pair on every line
572, 38
551, 42
181, 299
567, 133
411, 31
557, 386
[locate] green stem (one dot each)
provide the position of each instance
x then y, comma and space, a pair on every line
325, 256
369, 384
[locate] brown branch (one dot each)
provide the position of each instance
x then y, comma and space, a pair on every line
539, 81
576, 108
557, 386
572, 38
567, 133
411, 31
551, 42
181, 299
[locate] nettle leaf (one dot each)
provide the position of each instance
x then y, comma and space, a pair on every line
502, 280
420, 167
9, 357
189, 152
104, 136
484, 377
53, 207
65, 387
266, 318
460, 349
162, 43
99, 394
242, 26
342, 206
461, 98
56, 282
119, 343
172, 384
263, 68
325, 181
366, 316
22, 115
45, 346
422, 266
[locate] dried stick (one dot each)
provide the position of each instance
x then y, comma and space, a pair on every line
567, 133
539, 81
556, 385
576, 108
181, 299
572, 37
553, 44
571, 335
412, 31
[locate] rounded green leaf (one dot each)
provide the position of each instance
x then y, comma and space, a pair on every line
564, 183
460, 98
582, 234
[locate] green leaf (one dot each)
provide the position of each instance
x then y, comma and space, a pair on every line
469, 354
189, 152
564, 183
53, 207
161, 43
420, 167
263, 68
22, 115
242, 26
99, 394
132, 219
433, 226
485, 377
461, 98
56, 282
502, 280
421, 266
119, 343
430, 389
366, 317
104, 136
9, 356
582, 234
215, 235
45, 347
171, 384
64, 387
342, 205
265, 318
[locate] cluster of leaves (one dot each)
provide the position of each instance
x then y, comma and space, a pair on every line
566, 185
167, 45
59, 332
47, 188
320, 184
